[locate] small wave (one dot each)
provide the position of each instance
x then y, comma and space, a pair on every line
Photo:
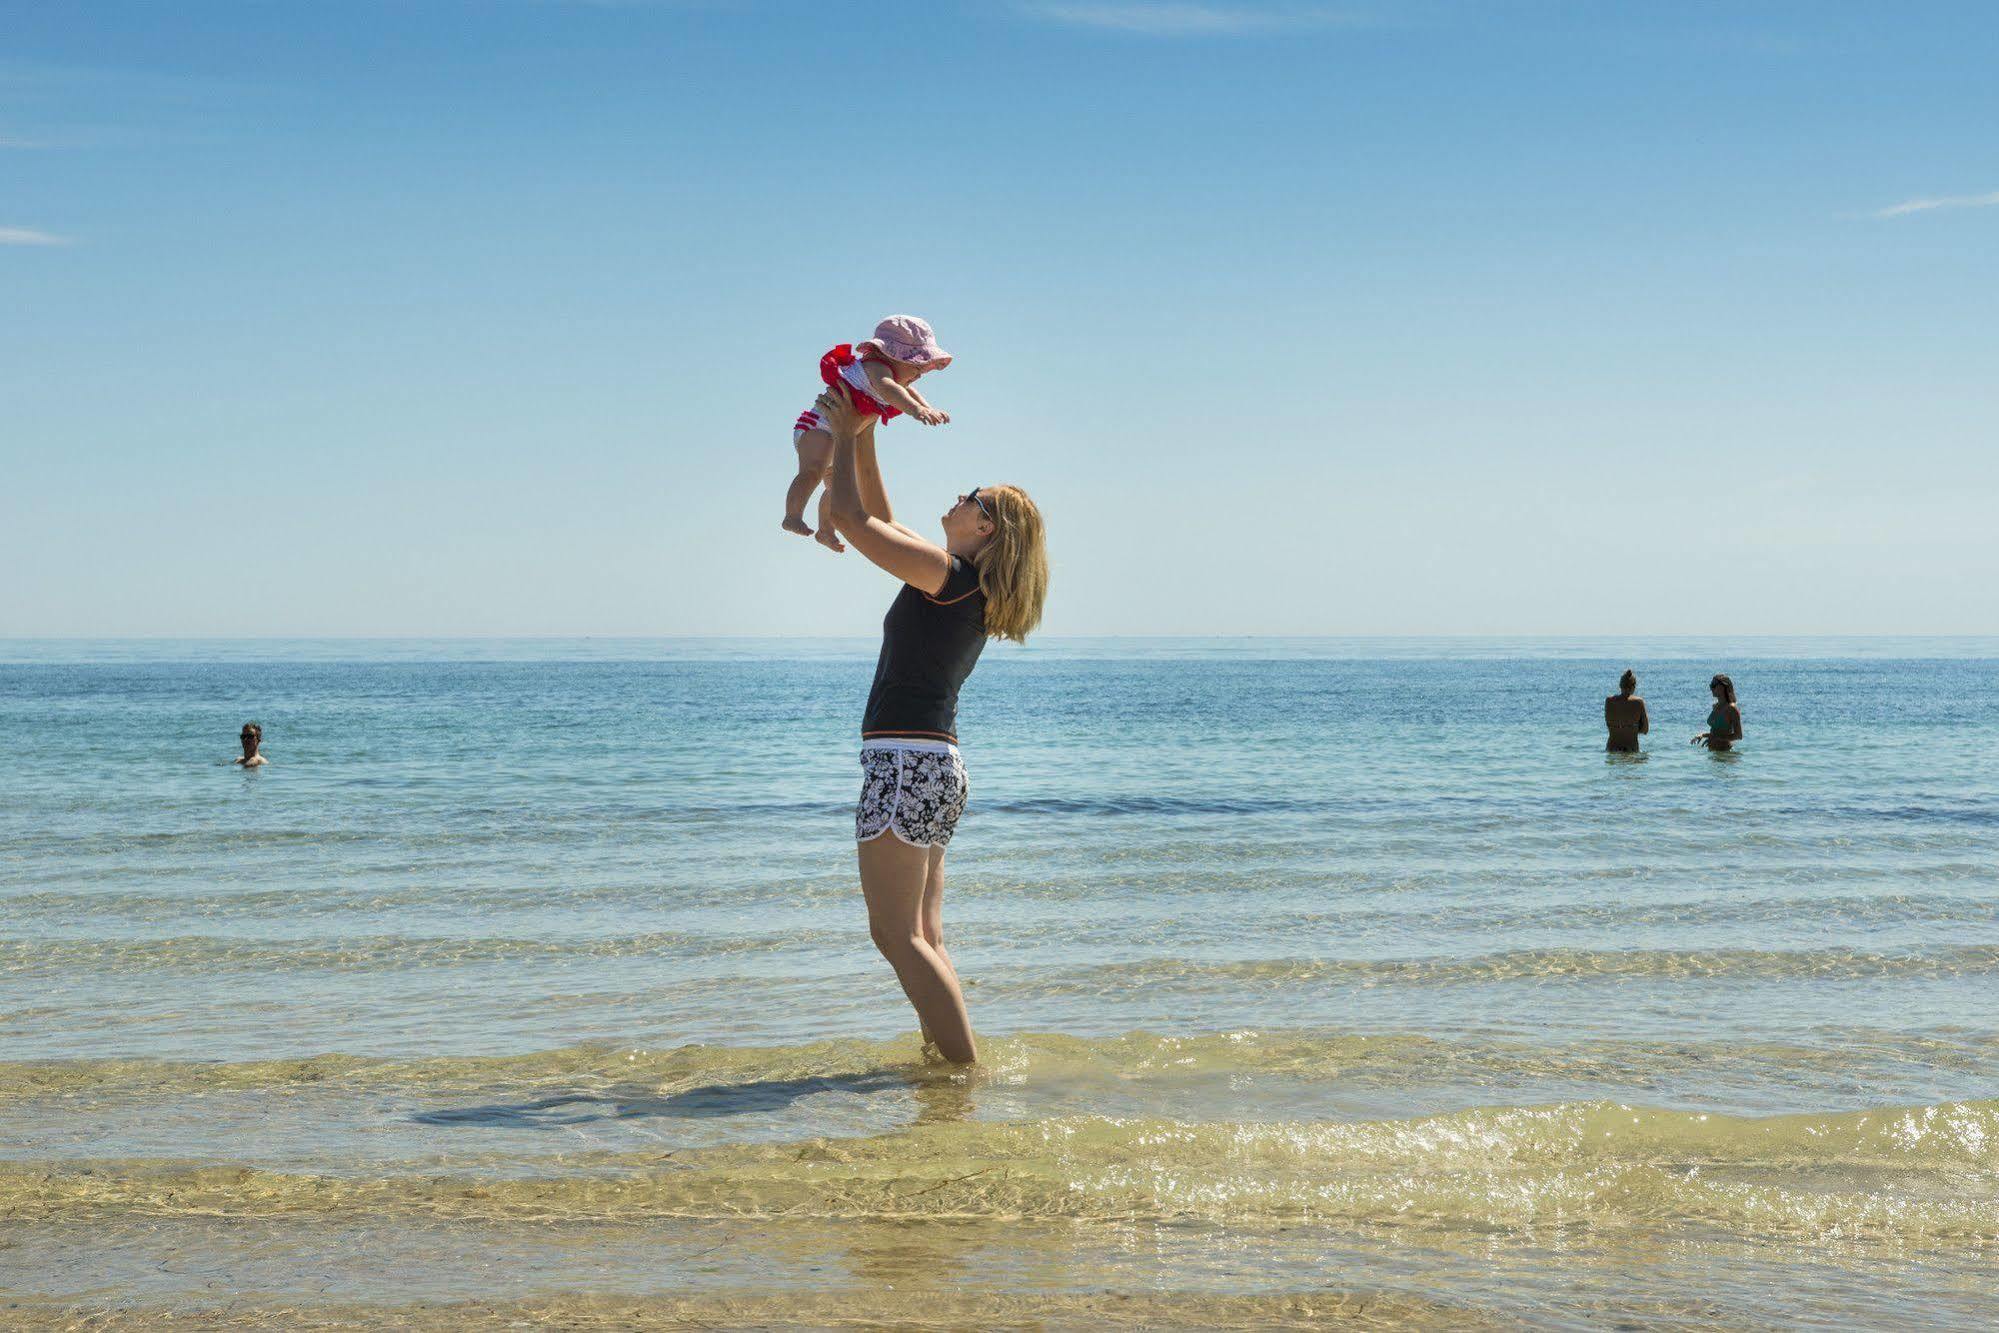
1530, 965
1919, 1173
774, 1305
585, 1065
208, 954
1977, 815
1142, 804
1303, 1055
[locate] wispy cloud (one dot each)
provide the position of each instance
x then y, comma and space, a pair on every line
1183, 18
29, 236
1908, 206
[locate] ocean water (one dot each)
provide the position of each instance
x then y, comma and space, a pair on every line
1315, 979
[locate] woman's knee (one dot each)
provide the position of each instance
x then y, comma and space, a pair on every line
894, 938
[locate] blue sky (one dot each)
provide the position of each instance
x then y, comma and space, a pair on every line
491, 316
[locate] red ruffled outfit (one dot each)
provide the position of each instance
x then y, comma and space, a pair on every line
841, 369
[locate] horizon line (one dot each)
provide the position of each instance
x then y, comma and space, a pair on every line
870, 637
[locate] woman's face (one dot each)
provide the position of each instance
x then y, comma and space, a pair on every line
970, 518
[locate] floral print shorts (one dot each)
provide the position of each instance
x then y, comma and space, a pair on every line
915, 794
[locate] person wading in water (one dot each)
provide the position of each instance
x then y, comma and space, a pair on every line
987, 579
1624, 714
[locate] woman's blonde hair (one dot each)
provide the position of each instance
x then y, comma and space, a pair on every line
1013, 564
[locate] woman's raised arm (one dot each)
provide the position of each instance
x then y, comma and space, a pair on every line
919, 563
868, 474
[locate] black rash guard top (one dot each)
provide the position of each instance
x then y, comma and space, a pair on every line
929, 645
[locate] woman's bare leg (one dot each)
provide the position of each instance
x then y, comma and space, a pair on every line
933, 910
933, 923
895, 880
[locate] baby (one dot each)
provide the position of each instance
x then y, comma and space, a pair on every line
879, 377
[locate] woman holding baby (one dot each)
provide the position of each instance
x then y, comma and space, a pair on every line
987, 578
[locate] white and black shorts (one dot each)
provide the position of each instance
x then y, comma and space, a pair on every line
914, 789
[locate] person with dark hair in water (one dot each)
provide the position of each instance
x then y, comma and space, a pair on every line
1724, 720
253, 741
1624, 714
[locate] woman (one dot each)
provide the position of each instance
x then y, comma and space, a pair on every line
988, 580
1624, 714
1724, 720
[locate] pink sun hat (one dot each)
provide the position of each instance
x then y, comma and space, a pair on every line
907, 339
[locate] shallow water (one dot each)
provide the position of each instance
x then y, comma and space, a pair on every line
1317, 979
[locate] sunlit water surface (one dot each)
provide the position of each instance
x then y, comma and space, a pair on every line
1316, 979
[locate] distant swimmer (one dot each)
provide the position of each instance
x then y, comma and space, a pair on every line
253, 741
1724, 720
1624, 714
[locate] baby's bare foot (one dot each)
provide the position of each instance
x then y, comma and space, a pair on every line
794, 523
829, 539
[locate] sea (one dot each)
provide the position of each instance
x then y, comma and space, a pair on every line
1316, 980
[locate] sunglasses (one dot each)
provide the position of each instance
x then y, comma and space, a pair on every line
973, 496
